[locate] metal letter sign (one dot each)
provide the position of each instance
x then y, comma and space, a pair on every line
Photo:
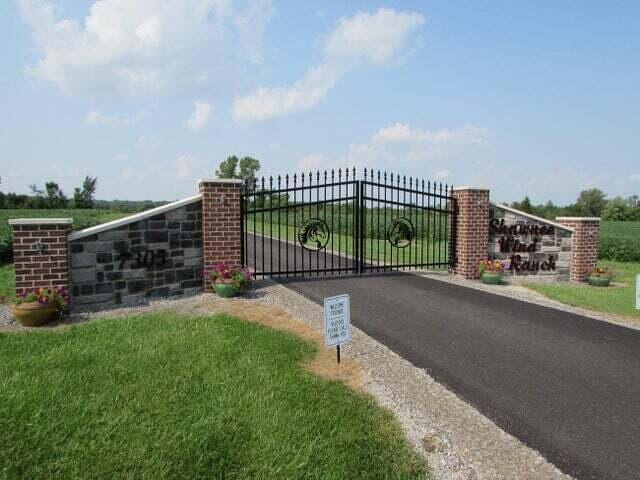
638, 292
337, 321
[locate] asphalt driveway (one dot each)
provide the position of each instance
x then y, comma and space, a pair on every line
566, 385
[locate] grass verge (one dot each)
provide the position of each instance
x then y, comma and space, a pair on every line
7, 282
619, 298
164, 396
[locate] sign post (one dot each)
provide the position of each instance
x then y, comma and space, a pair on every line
638, 292
337, 321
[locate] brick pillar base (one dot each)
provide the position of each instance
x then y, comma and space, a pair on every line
472, 229
220, 224
40, 252
584, 245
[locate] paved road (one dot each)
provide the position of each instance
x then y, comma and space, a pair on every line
566, 385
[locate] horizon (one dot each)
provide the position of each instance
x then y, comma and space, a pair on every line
524, 100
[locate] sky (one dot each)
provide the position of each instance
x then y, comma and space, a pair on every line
525, 98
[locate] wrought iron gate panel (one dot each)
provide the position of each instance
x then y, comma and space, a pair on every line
335, 224
315, 227
405, 223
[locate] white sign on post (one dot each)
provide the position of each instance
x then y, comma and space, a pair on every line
337, 320
638, 292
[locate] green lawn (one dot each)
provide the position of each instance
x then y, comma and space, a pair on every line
376, 250
7, 281
161, 396
615, 299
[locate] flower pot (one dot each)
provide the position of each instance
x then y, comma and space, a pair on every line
491, 278
33, 314
225, 289
599, 281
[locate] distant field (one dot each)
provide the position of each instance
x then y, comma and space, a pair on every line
81, 219
620, 241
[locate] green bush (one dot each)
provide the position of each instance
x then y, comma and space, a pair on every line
619, 241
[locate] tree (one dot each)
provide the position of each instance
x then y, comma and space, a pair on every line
616, 209
634, 202
83, 197
227, 168
55, 197
249, 166
591, 202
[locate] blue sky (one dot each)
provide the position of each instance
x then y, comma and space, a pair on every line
535, 98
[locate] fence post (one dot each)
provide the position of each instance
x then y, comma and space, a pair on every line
472, 229
40, 255
584, 245
221, 219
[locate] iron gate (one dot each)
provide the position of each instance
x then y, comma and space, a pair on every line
332, 223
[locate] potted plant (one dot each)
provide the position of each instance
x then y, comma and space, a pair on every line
34, 307
491, 271
230, 281
600, 277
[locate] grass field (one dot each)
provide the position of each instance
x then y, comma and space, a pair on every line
162, 396
82, 218
618, 299
619, 241
376, 249
7, 282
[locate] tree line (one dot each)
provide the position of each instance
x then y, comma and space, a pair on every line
590, 203
52, 196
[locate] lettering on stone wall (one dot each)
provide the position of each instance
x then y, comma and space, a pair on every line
147, 259
511, 241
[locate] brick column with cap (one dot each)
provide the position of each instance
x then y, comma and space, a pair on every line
471, 228
584, 245
40, 254
220, 224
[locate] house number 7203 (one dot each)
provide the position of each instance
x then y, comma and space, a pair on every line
147, 259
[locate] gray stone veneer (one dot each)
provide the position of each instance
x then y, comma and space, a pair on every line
556, 246
126, 265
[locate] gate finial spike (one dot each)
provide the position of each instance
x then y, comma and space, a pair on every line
332, 175
365, 174
378, 176
354, 173
339, 174
347, 173
279, 181
423, 184
325, 176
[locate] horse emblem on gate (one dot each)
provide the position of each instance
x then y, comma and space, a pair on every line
313, 234
401, 232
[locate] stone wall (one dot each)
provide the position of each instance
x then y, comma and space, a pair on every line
151, 255
537, 249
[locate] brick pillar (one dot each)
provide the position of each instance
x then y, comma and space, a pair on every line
472, 229
584, 245
220, 223
40, 252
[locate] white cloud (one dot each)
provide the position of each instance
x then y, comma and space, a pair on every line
364, 39
96, 117
144, 47
310, 162
184, 166
375, 38
399, 132
200, 118
425, 153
